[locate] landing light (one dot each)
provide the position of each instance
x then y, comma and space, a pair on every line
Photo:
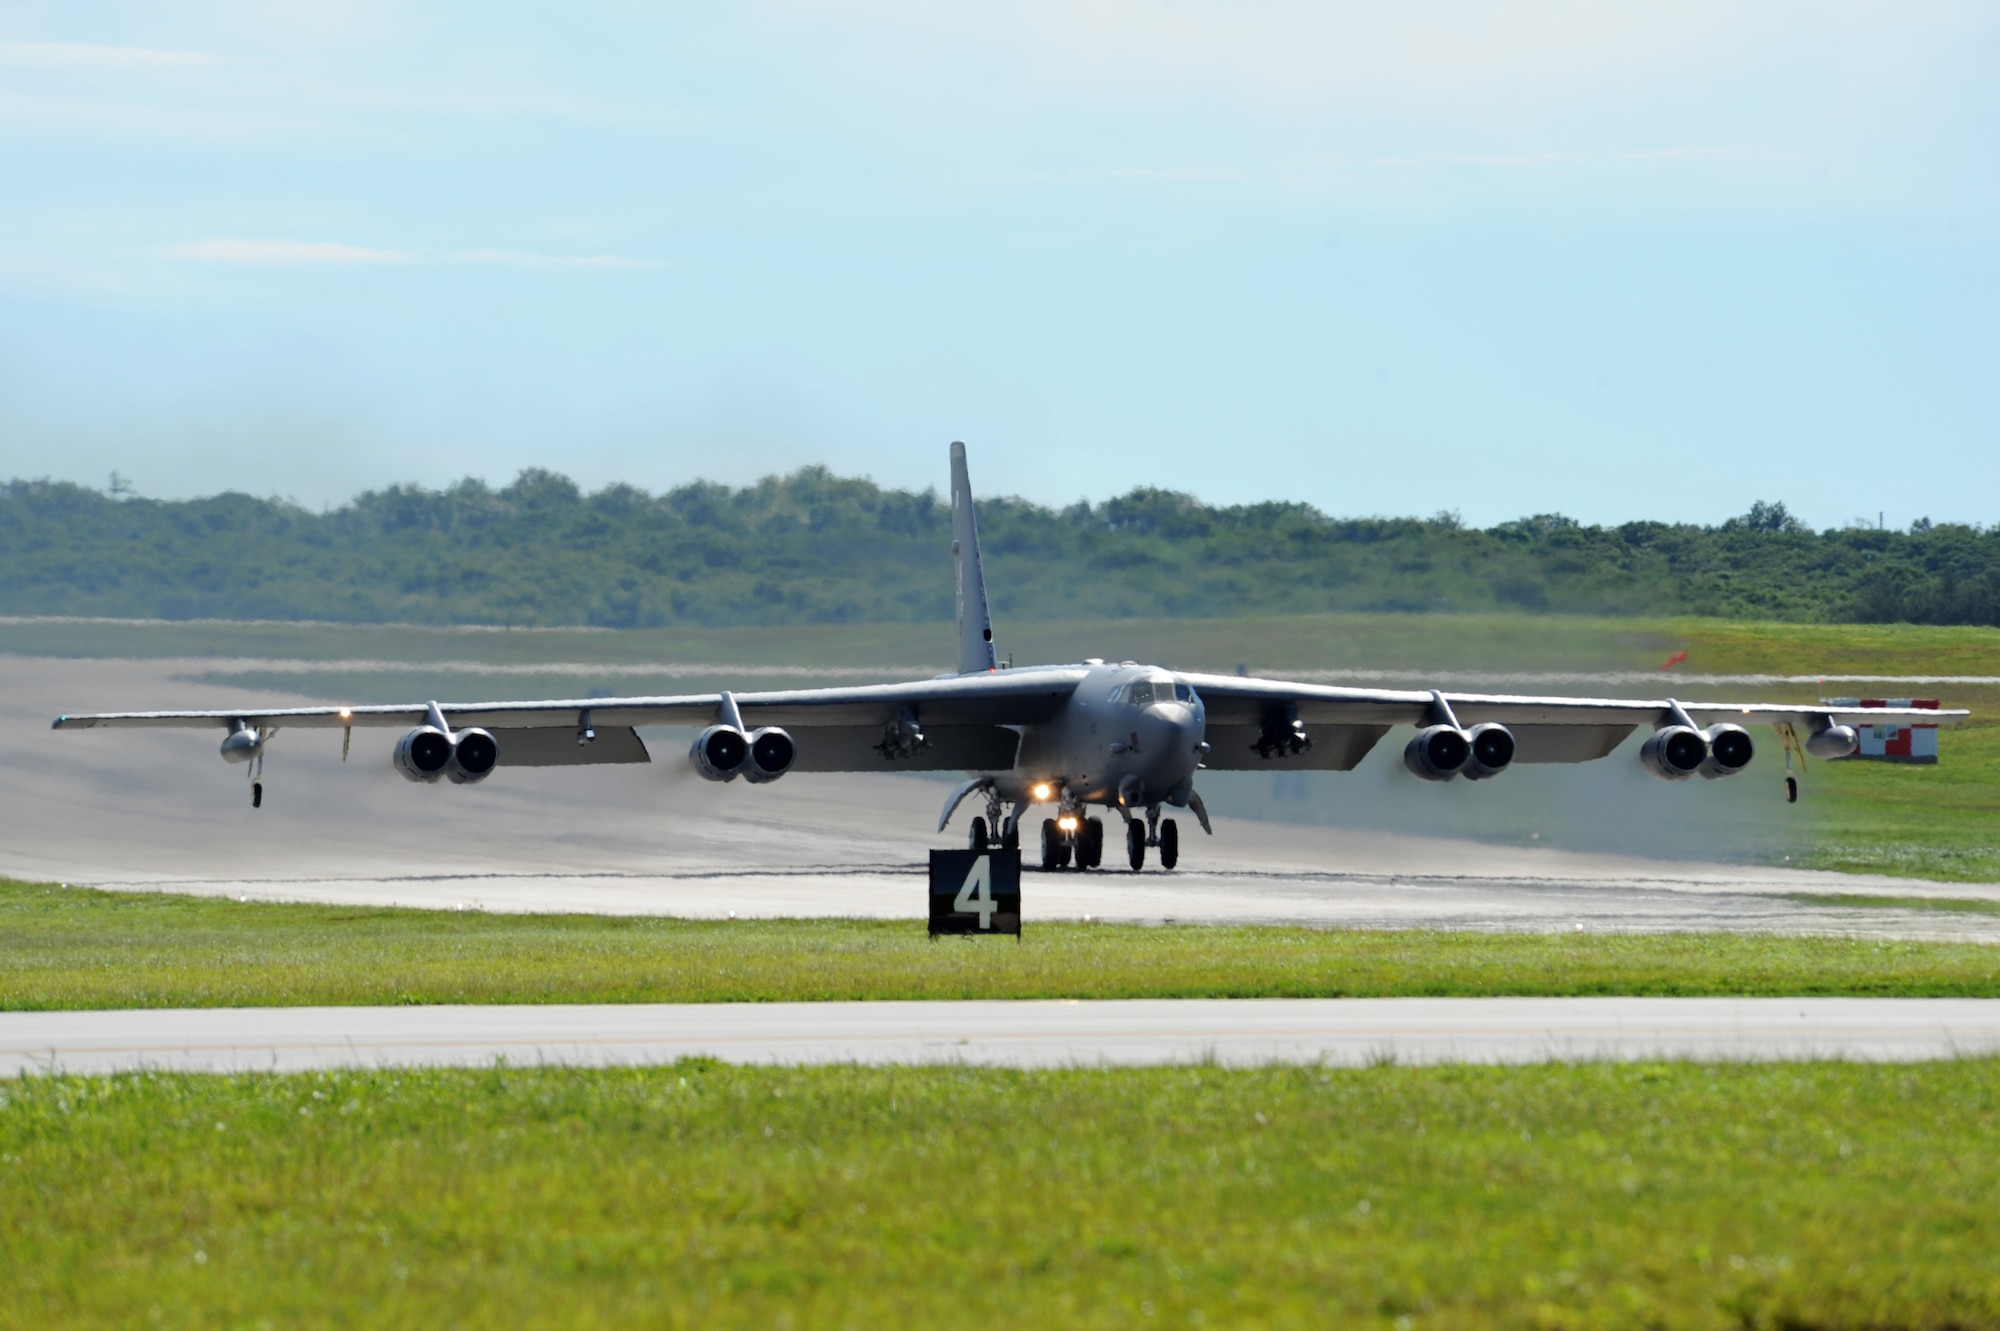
1041, 792
346, 713
1067, 822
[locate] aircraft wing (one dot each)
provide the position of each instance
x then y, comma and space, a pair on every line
1345, 723
964, 719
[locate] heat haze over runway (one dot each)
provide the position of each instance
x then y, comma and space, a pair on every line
156, 810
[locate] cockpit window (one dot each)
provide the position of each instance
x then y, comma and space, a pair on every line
1146, 692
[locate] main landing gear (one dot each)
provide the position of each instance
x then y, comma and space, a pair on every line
1155, 831
1083, 843
982, 839
1071, 839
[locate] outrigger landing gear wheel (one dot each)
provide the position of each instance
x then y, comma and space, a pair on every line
1135, 844
256, 794
979, 841
1170, 844
1090, 844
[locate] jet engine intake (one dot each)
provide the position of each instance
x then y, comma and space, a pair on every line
720, 752
1729, 750
1833, 742
1492, 750
771, 755
1438, 753
473, 756
1675, 752
423, 754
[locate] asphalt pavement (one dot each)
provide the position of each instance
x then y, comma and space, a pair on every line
1235, 1032
158, 810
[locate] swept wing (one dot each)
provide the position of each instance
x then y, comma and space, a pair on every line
968, 719
1344, 724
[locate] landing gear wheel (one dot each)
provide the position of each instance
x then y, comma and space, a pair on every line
979, 841
1010, 839
256, 794
1053, 850
1170, 844
1090, 844
1135, 844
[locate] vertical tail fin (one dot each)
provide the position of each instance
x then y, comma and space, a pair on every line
975, 625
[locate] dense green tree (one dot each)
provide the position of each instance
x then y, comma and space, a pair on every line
813, 547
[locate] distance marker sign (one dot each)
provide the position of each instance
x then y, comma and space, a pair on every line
976, 892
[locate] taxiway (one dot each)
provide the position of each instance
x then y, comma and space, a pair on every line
1237, 1032
157, 810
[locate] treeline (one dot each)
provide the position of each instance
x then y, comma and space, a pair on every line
817, 548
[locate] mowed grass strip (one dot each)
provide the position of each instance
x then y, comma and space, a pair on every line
1857, 901
1665, 1195
79, 948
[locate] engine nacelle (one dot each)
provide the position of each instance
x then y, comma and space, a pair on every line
1833, 742
472, 757
1675, 752
1492, 751
720, 752
1438, 753
771, 755
243, 744
1729, 750
423, 754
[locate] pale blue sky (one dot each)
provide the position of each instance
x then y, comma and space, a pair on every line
1617, 260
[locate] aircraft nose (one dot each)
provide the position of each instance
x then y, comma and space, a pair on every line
1177, 719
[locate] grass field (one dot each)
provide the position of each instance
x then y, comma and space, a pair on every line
74, 948
1815, 1195
1265, 644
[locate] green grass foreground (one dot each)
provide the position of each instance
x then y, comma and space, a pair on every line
1656, 1196
78, 948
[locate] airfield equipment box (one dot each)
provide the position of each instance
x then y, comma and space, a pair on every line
1900, 743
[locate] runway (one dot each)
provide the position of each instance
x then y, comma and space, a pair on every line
1240, 1032
157, 810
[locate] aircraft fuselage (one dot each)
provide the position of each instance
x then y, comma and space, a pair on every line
1128, 734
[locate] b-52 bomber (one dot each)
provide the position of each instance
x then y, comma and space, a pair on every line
1127, 738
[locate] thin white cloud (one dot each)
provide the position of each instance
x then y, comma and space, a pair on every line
283, 253
519, 259
1132, 174
1613, 157
316, 253
78, 55
1138, 175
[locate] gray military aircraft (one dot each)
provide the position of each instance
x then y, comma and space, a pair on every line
1124, 737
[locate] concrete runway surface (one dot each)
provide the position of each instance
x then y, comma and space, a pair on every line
158, 810
1239, 1032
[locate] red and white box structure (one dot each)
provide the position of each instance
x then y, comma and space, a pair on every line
1899, 742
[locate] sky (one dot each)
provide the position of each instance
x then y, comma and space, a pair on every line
1617, 261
